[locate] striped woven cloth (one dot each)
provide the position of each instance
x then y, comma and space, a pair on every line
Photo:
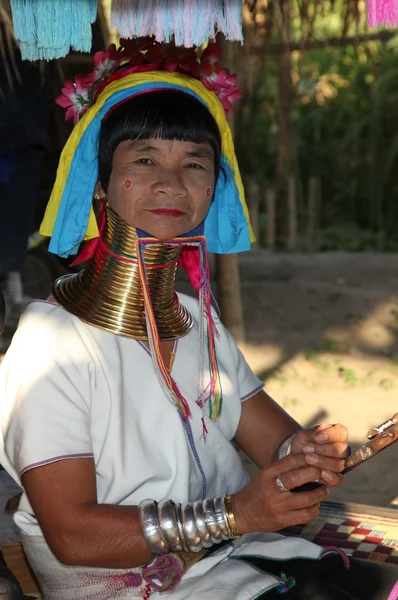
363, 531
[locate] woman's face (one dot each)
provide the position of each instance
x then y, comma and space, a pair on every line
163, 187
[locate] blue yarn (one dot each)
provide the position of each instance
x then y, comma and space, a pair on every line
226, 228
47, 29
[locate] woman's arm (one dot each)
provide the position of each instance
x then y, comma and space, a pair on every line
81, 532
263, 426
78, 530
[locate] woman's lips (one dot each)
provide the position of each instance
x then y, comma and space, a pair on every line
168, 212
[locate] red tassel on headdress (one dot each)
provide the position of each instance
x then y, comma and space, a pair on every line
91, 246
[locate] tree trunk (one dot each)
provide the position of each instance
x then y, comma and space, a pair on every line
229, 297
227, 268
314, 209
285, 139
285, 97
292, 213
270, 218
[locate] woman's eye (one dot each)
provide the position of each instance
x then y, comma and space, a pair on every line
194, 166
144, 161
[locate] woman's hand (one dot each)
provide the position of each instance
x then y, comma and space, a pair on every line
325, 447
262, 507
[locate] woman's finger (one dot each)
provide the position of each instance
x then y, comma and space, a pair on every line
337, 433
331, 478
297, 477
334, 450
336, 465
304, 499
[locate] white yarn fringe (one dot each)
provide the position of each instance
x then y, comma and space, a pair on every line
191, 22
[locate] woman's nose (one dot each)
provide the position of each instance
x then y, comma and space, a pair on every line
170, 182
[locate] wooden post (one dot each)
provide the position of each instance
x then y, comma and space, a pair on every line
313, 217
253, 200
229, 297
292, 213
227, 267
270, 218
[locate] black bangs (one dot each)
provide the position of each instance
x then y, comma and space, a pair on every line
168, 115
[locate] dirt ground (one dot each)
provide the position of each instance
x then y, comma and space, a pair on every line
322, 332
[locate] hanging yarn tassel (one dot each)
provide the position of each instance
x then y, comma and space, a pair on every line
230, 20
191, 22
47, 29
162, 372
211, 395
383, 12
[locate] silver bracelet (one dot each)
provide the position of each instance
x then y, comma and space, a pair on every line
200, 518
150, 526
211, 521
191, 532
221, 519
286, 447
168, 518
183, 541
170, 527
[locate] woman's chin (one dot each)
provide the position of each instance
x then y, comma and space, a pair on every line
164, 233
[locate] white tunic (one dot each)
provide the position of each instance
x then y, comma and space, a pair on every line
69, 390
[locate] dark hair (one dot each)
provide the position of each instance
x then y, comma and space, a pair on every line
166, 114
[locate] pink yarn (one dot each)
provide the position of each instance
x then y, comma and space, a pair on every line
394, 592
161, 569
334, 550
383, 12
190, 261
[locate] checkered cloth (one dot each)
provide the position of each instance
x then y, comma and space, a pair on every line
363, 531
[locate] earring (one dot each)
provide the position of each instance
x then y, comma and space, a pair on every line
208, 192
127, 183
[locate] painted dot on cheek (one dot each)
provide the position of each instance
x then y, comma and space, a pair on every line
127, 183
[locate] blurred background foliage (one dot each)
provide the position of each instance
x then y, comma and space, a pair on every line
321, 101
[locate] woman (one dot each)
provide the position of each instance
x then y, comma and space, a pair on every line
122, 402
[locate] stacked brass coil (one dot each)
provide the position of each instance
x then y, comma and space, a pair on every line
108, 295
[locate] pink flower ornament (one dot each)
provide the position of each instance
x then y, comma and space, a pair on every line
209, 59
106, 63
148, 55
183, 60
223, 84
75, 97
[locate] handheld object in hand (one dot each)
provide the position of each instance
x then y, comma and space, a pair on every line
379, 438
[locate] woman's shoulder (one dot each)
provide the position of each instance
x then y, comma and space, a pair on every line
46, 316
46, 323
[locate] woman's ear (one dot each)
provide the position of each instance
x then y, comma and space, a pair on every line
99, 193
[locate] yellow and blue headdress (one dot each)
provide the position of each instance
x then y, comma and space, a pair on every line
138, 68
